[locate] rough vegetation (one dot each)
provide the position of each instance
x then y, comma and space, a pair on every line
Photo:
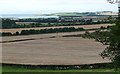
113, 50
111, 38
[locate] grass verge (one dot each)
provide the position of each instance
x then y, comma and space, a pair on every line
17, 69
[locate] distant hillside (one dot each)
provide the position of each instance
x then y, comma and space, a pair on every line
80, 14
63, 14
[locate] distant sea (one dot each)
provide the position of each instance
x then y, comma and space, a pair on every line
25, 16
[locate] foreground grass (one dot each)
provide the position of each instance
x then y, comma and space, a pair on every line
16, 69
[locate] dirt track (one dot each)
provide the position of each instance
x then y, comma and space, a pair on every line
55, 51
84, 26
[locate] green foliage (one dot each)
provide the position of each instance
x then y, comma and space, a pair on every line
17, 33
43, 31
51, 30
6, 34
111, 38
113, 50
17, 69
8, 23
100, 36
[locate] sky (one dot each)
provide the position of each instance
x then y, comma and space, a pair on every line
54, 6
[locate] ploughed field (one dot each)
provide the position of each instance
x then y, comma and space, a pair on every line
53, 51
38, 28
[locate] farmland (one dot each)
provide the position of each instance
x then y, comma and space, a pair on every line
46, 46
38, 28
80, 14
51, 51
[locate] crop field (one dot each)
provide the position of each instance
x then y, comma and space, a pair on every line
37, 28
53, 51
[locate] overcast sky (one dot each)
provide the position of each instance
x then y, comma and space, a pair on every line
54, 6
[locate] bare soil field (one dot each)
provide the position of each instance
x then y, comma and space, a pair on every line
54, 51
38, 28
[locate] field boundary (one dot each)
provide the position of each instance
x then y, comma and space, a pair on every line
62, 67
46, 33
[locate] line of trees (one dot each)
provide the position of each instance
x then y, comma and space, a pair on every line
8, 23
43, 31
42, 20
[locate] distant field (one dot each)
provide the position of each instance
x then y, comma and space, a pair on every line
37, 28
109, 13
62, 14
79, 14
70, 14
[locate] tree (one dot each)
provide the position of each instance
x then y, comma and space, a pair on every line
110, 17
113, 50
17, 33
7, 23
6, 34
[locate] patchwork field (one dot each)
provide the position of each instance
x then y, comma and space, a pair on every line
53, 51
45, 50
37, 28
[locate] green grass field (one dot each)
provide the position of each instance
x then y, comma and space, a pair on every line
16, 69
